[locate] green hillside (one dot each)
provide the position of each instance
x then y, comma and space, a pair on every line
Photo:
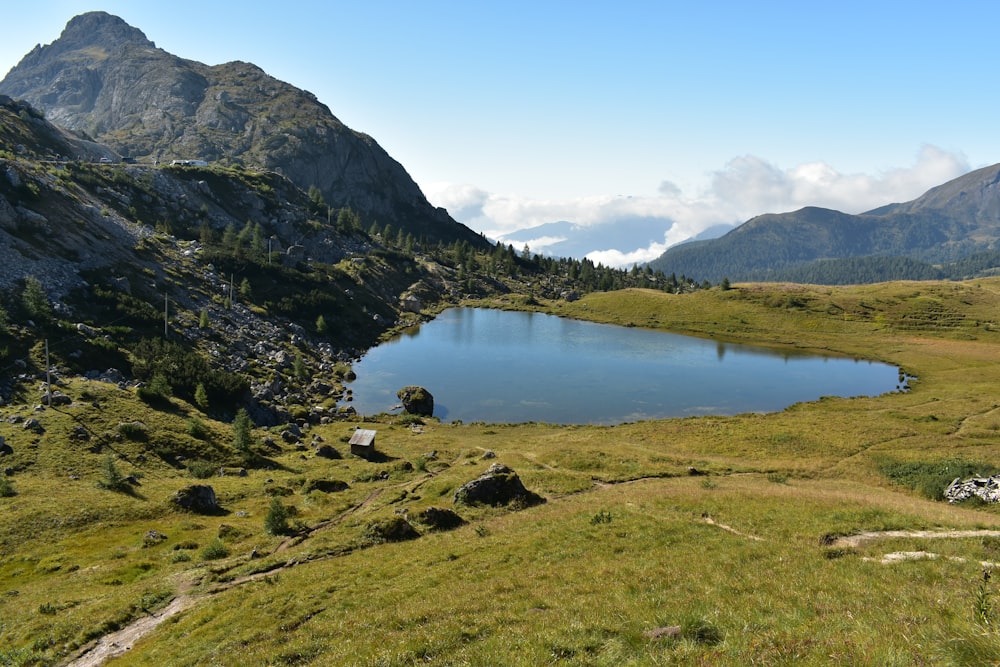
632, 559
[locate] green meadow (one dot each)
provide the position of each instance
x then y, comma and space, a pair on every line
701, 541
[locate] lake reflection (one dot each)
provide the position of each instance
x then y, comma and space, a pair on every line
500, 366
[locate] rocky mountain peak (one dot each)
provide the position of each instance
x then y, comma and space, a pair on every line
96, 34
103, 77
101, 29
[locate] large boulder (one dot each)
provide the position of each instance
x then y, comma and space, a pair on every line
499, 485
199, 498
416, 401
396, 529
439, 518
324, 485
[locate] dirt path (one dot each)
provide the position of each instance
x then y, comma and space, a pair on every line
117, 643
860, 538
729, 529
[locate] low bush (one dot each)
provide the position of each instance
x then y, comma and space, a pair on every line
133, 431
202, 469
196, 428
214, 550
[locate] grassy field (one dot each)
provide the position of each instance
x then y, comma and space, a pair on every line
740, 564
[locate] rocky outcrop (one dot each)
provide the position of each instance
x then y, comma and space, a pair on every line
416, 401
105, 78
324, 486
396, 529
439, 518
499, 485
198, 498
986, 489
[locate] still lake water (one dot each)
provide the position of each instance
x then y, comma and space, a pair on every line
508, 367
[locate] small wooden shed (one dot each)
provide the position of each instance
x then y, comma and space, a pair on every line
363, 443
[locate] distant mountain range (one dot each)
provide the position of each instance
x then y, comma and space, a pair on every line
569, 239
952, 231
104, 78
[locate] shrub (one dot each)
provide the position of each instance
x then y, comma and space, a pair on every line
276, 519
214, 550
157, 392
601, 517
112, 479
407, 419
196, 428
201, 469
133, 430
6, 488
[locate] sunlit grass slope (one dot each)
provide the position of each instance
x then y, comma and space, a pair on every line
737, 564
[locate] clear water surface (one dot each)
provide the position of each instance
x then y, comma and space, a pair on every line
509, 367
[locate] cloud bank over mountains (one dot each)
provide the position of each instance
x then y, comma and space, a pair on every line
622, 230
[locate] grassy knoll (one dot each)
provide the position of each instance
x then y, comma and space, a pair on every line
741, 561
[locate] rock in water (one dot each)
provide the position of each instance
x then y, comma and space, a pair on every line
416, 401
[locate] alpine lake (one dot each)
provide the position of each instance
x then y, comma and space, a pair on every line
496, 366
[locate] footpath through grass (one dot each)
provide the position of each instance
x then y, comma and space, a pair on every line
632, 560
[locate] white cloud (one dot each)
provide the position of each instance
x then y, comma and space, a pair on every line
753, 186
541, 243
627, 259
743, 188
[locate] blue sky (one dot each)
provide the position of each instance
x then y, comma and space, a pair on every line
514, 114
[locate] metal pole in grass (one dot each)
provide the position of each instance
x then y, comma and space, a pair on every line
48, 374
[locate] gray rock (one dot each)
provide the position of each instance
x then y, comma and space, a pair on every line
324, 485
440, 518
986, 489
199, 498
499, 485
57, 398
32, 424
328, 452
416, 400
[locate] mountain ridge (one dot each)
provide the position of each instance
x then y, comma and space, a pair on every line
104, 78
946, 225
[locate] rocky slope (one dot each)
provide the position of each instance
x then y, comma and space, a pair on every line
105, 78
238, 260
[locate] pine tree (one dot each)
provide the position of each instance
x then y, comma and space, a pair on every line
242, 434
276, 519
201, 396
112, 479
245, 290
35, 302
